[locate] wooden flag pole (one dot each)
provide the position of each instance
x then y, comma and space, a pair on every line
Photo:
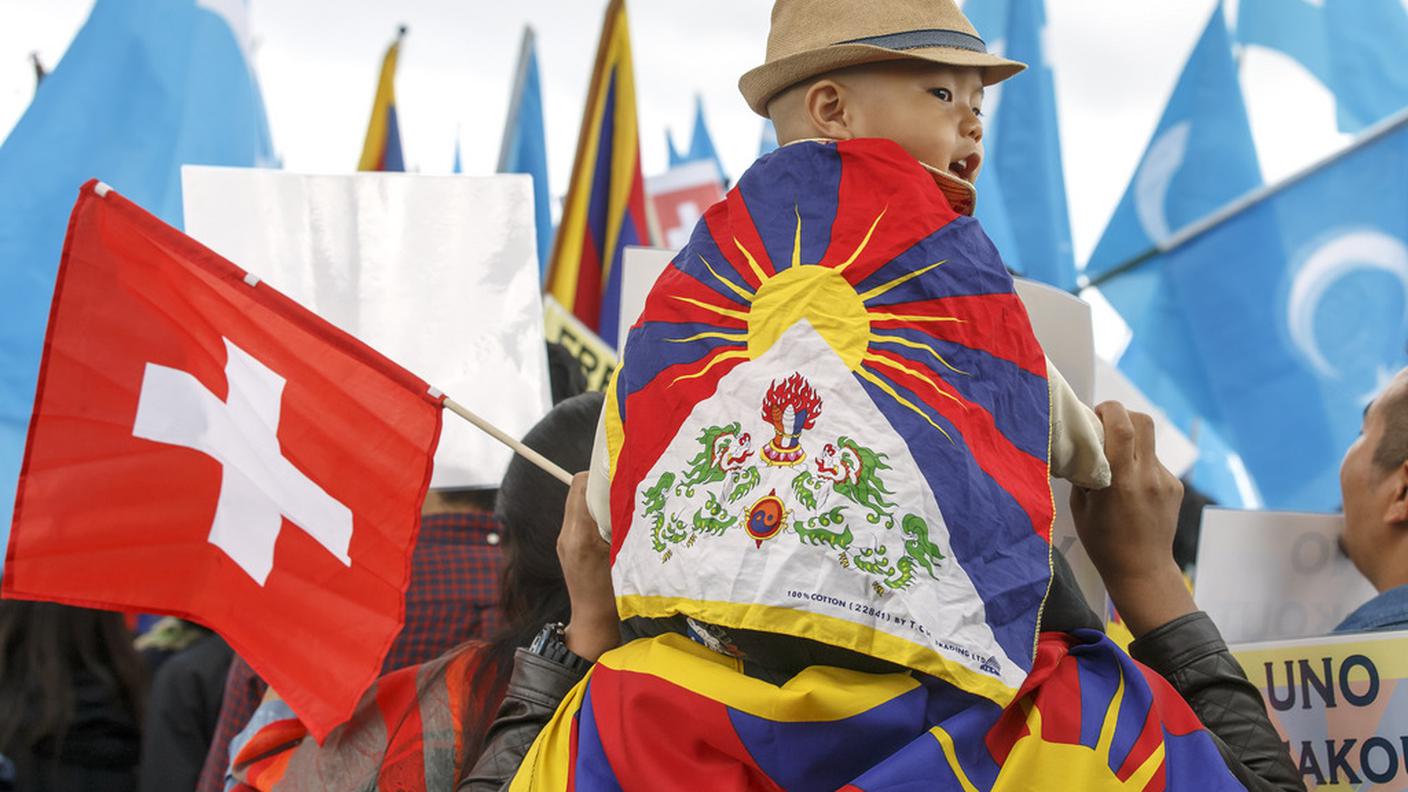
519, 448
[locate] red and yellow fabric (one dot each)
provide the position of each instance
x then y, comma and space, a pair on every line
605, 209
1088, 717
382, 149
405, 735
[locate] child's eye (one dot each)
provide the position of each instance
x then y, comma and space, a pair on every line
978, 111
942, 94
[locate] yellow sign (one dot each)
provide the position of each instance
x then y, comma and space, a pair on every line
1341, 705
598, 359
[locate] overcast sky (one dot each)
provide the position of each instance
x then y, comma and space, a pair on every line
317, 60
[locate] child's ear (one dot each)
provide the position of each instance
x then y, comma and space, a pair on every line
825, 105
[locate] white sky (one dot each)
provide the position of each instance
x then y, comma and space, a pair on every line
1116, 63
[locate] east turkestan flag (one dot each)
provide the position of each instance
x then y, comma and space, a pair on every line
204, 447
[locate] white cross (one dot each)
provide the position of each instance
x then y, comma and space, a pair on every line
258, 486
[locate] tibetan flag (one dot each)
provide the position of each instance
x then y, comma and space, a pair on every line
382, 149
662, 713
831, 423
605, 208
204, 447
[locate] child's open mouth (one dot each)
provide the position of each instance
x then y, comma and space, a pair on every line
965, 168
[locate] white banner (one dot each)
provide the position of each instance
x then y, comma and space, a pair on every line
1269, 576
438, 273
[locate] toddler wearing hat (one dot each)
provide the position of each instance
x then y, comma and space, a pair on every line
829, 439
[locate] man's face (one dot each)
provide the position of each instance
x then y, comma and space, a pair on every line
933, 112
1368, 491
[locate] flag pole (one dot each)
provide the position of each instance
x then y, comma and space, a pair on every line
545, 464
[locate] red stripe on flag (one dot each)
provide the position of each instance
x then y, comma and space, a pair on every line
629, 709
1022, 475
888, 179
993, 323
586, 305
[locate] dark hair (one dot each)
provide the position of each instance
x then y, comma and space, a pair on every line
44, 647
532, 593
1392, 450
479, 500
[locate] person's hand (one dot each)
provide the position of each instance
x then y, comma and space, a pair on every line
1127, 529
586, 567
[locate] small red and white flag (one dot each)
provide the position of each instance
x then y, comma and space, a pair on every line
203, 446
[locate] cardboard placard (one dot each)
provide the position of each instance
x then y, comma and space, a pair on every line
1340, 704
1268, 576
438, 273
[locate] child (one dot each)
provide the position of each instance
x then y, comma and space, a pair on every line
830, 436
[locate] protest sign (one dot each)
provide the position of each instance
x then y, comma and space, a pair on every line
1063, 325
439, 273
597, 358
1267, 576
640, 268
1338, 705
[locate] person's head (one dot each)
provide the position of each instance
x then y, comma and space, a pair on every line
1374, 489
44, 648
911, 71
933, 111
530, 508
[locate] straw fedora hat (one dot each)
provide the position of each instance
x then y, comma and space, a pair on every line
811, 37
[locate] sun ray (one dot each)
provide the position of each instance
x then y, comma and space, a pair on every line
889, 317
739, 290
797, 240
861, 247
901, 340
901, 280
752, 262
919, 375
741, 336
741, 316
716, 359
885, 386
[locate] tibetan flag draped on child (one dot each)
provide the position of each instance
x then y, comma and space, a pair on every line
660, 714
204, 447
381, 151
605, 209
826, 461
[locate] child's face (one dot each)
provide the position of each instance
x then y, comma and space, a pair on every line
932, 111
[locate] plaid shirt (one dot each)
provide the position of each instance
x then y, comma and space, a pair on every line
453, 597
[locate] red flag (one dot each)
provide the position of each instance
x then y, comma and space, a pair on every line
205, 447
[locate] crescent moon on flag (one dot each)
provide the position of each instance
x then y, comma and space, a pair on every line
1364, 249
1151, 183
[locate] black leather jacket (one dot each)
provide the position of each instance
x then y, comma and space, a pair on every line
1189, 652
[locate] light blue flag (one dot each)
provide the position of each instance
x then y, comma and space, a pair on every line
146, 86
457, 167
1204, 130
1023, 144
1297, 308
1354, 47
701, 144
525, 147
768, 143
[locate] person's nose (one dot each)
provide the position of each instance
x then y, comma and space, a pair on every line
972, 126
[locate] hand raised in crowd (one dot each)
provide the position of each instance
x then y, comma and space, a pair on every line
1128, 528
586, 567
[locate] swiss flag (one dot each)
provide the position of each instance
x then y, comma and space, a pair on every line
205, 447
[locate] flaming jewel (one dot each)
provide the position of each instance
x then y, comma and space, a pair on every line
792, 407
